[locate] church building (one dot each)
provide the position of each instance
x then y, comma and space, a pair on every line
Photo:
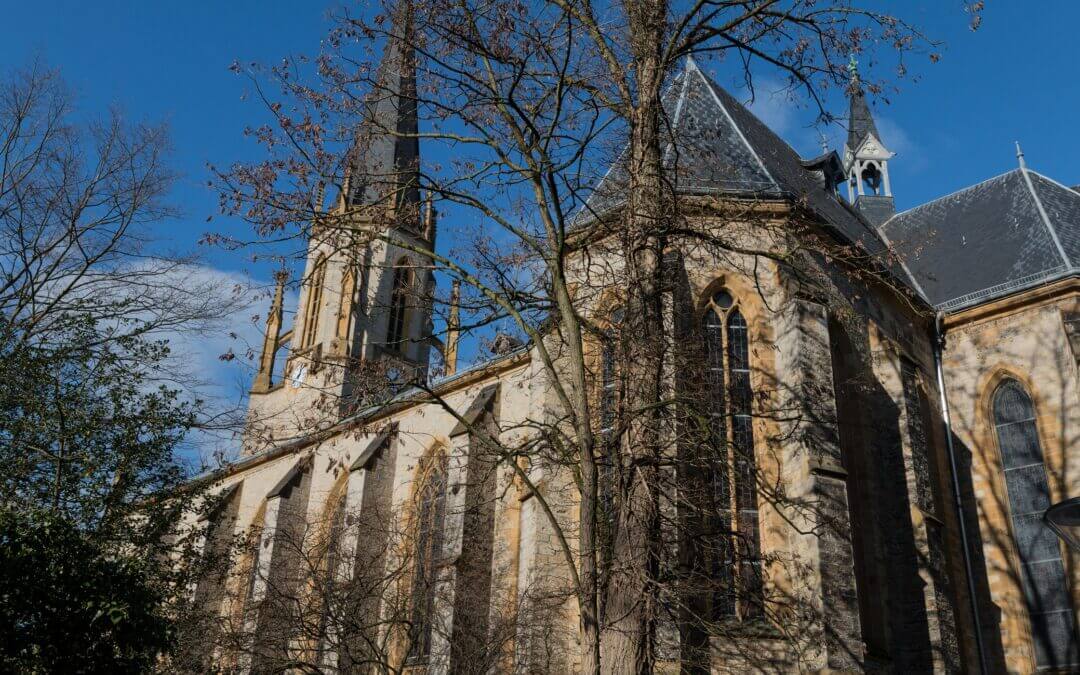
930, 427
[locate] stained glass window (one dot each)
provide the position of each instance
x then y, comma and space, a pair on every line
734, 468
430, 507
1045, 587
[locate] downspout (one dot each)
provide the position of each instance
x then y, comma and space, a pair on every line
939, 344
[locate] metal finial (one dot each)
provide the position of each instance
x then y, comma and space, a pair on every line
853, 67
824, 143
1020, 156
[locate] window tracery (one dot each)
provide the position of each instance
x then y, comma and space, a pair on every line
430, 512
1044, 584
734, 466
314, 303
399, 297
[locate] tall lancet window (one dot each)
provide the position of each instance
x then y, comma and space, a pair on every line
727, 353
1046, 589
330, 580
399, 306
609, 400
430, 513
314, 303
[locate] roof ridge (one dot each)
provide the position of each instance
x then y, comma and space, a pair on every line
1055, 182
692, 65
1045, 218
678, 107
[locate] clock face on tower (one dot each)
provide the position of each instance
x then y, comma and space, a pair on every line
297, 377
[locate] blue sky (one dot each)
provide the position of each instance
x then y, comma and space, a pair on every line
1013, 79
952, 125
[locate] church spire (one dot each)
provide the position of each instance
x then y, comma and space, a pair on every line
866, 159
385, 162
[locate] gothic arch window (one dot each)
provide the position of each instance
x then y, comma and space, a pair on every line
331, 579
1045, 588
609, 401
430, 507
221, 520
314, 302
399, 305
730, 397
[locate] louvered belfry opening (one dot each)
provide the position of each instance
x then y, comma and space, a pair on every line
399, 307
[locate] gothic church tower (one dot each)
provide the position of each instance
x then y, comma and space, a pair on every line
364, 310
866, 160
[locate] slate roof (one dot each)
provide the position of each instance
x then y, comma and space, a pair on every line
861, 122
384, 162
1006, 234
716, 146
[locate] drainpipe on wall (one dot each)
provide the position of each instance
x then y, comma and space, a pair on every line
939, 345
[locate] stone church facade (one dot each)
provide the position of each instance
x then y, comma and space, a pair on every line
934, 424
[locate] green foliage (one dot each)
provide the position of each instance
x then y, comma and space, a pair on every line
87, 431
91, 553
70, 605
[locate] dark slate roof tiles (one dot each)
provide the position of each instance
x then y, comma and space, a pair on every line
860, 121
1062, 207
717, 146
1000, 236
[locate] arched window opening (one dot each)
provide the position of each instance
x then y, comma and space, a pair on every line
609, 401
314, 303
871, 177
399, 305
734, 468
430, 512
1045, 587
331, 581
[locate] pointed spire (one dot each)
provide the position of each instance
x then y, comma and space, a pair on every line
387, 153
430, 220
271, 338
860, 120
453, 330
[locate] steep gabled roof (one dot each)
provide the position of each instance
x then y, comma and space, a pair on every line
716, 146
1006, 234
860, 121
704, 149
386, 153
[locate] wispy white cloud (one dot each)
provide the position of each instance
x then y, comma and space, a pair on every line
780, 110
897, 139
218, 362
773, 105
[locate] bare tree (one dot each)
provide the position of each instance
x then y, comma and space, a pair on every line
532, 103
94, 405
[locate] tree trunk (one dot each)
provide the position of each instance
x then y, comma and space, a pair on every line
631, 595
